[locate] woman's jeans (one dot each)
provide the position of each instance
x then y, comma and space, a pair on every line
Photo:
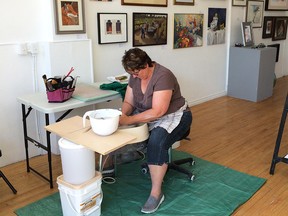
160, 140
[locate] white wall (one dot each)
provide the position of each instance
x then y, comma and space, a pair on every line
201, 71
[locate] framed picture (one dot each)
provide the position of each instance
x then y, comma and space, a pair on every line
280, 28
267, 27
112, 28
241, 3
188, 30
184, 2
69, 16
149, 29
247, 33
216, 26
278, 50
157, 3
254, 13
276, 5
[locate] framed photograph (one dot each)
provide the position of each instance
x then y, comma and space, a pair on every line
149, 29
69, 16
247, 34
280, 28
184, 2
188, 30
276, 5
278, 50
157, 3
254, 13
112, 28
240, 3
267, 27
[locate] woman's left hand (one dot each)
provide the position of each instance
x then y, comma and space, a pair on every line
124, 119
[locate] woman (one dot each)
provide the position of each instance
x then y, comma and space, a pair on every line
153, 96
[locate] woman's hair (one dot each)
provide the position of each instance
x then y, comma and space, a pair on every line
135, 59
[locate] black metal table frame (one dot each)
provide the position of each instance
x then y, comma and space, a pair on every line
47, 148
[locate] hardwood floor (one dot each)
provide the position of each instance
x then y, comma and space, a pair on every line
235, 133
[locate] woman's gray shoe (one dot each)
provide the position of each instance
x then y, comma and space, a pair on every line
152, 204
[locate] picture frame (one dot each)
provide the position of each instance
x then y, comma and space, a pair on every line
247, 34
188, 30
278, 50
276, 5
75, 22
280, 28
239, 3
216, 26
268, 26
112, 28
254, 13
184, 2
156, 3
149, 29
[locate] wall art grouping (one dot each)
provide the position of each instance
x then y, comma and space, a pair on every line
275, 27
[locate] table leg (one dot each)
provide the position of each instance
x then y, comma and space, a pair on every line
24, 116
49, 151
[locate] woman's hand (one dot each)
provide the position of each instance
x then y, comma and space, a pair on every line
124, 120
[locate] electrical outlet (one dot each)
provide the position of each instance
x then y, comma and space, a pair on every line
33, 48
21, 49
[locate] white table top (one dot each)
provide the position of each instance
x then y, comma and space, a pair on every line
40, 102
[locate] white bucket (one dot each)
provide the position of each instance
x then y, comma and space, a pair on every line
78, 162
79, 200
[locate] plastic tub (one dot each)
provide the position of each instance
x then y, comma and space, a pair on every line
78, 162
79, 200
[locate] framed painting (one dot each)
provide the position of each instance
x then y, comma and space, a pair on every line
149, 29
277, 46
247, 34
69, 16
254, 13
240, 3
276, 5
156, 3
267, 30
280, 28
184, 2
112, 28
216, 26
188, 30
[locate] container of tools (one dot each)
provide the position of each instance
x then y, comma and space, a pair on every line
60, 89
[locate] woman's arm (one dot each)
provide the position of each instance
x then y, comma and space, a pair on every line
160, 105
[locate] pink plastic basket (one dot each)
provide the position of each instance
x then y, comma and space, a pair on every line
59, 95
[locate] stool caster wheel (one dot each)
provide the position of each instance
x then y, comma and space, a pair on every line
144, 168
192, 178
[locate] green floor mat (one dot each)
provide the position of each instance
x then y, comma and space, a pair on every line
216, 190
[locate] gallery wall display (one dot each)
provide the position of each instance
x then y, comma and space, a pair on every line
188, 30
280, 28
254, 13
247, 33
276, 5
157, 3
184, 2
112, 28
69, 16
149, 29
216, 26
241, 3
268, 26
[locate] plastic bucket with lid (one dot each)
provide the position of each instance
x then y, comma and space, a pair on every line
78, 162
